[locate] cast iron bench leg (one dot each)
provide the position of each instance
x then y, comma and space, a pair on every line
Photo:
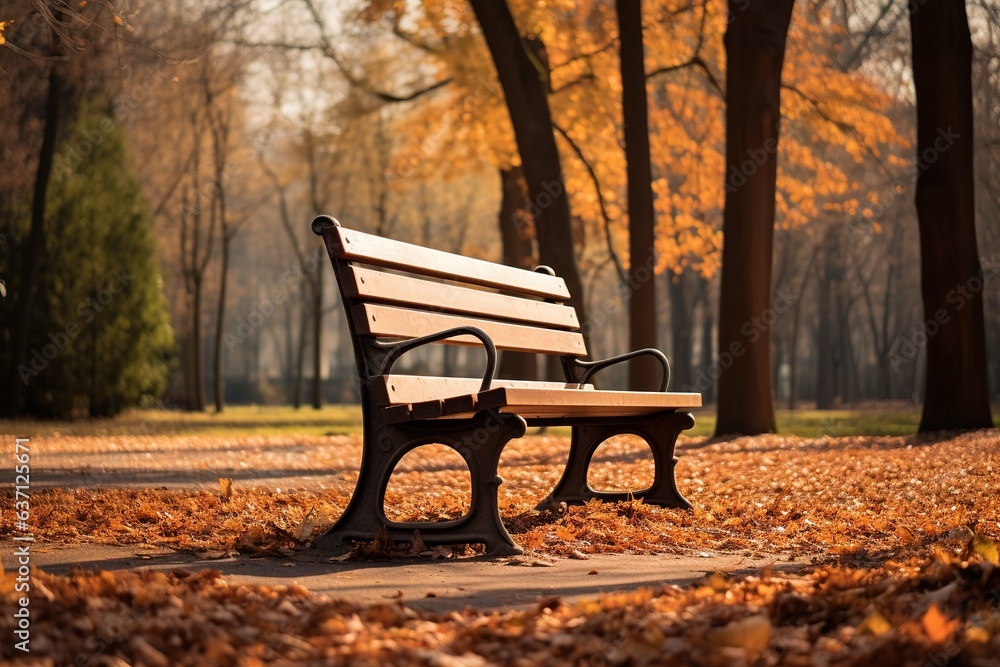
660, 430
479, 441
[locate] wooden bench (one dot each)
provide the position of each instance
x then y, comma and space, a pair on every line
400, 296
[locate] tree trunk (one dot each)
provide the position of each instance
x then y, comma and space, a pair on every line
36, 238
643, 372
707, 338
300, 354
779, 358
957, 394
220, 320
289, 367
525, 92
796, 319
755, 50
518, 251
681, 334
317, 394
848, 368
825, 334
198, 352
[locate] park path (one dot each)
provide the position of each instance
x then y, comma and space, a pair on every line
434, 585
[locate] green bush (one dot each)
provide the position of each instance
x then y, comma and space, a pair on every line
100, 336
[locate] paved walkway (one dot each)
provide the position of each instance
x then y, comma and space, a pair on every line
433, 585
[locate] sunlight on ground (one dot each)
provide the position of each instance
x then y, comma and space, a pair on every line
881, 545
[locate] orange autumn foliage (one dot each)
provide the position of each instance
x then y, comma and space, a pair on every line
831, 117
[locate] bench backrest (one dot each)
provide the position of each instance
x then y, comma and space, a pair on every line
396, 290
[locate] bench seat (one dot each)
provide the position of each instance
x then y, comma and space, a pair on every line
405, 399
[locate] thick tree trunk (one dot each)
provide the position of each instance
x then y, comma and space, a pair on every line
25, 290
525, 91
643, 373
755, 50
957, 394
518, 250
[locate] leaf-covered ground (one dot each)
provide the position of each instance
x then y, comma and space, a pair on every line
901, 533
936, 612
786, 497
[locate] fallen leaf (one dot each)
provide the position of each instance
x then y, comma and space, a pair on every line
936, 625
987, 548
751, 634
874, 624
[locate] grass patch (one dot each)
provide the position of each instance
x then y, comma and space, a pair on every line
346, 419
235, 420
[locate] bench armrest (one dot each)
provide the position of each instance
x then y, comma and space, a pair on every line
491, 350
592, 367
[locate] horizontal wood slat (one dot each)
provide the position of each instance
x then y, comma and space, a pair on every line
557, 399
569, 414
396, 389
548, 403
391, 322
358, 246
369, 284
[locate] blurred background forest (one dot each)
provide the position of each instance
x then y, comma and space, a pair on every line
192, 143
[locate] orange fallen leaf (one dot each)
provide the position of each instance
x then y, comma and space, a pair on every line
936, 624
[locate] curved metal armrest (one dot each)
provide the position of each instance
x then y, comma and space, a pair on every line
491, 350
592, 367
